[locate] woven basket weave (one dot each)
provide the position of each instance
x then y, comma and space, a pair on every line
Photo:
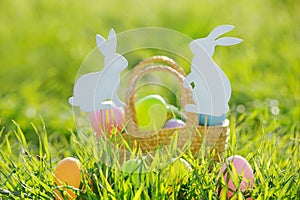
213, 137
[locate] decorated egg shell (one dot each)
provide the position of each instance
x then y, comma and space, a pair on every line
211, 120
151, 112
174, 123
68, 171
135, 169
107, 120
243, 169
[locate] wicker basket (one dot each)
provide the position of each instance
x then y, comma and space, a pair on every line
213, 137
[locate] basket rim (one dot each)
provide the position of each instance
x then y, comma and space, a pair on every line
149, 134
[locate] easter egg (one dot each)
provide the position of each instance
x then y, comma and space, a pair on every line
151, 112
179, 169
243, 169
174, 123
67, 172
211, 120
106, 120
135, 169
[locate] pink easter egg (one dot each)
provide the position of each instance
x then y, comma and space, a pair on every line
106, 120
243, 169
174, 123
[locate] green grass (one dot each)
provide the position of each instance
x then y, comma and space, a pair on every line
43, 44
26, 173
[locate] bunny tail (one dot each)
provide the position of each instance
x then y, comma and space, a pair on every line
72, 101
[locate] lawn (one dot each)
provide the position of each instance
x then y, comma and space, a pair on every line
43, 45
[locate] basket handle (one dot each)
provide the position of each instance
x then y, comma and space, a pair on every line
156, 60
130, 112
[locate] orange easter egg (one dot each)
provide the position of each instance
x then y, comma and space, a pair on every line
67, 172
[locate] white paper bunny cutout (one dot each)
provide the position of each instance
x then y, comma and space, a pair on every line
92, 90
212, 89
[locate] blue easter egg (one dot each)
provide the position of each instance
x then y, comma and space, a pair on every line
212, 120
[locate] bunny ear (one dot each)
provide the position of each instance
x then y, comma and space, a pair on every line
107, 48
220, 30
112, 42
99, 40
101, 44
228, 41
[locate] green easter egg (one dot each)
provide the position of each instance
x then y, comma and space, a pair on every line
179, 169
178, 172
151, 112
135, 169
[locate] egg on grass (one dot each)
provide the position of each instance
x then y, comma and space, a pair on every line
236, 174
67, 172
135, 169
177, 173
179, 169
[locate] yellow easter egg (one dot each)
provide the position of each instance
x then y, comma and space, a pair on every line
178, 173
67, 172
179, 169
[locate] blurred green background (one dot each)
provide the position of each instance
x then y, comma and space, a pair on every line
43, 44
